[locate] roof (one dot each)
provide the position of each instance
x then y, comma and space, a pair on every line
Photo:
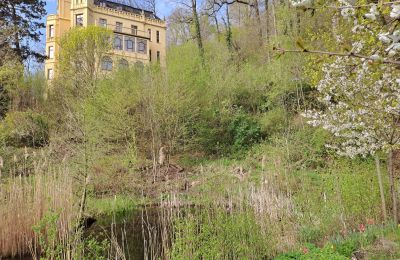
130, 6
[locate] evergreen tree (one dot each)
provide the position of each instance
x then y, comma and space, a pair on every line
20, 22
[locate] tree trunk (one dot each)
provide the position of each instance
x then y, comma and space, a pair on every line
274, 20
383, 202
392, 186
267, 29
197, 30
16, 36
228, 29
258, 20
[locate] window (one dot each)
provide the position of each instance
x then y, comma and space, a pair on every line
107, 64
158, 56
149, 32
51, 52
79, 20
103, 4
134, 29
141, 46
103, 22
51, 31
123, 64
118, 27
118, 42
50, 74
150, 55
158, 36
130, 44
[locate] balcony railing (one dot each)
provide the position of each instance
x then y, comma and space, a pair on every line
124, 30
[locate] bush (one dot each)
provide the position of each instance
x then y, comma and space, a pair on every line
244, 130
227, 131
273, 121
27, 128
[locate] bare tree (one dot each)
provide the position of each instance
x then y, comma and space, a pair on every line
179, 26
191, 6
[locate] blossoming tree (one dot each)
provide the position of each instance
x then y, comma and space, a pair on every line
359, 90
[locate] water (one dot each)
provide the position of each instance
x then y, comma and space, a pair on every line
139, 233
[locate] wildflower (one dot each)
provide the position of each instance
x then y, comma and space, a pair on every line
361, 228
305, 250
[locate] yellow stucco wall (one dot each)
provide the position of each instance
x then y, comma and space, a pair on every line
66, 19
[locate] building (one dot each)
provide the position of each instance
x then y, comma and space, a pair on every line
139, 35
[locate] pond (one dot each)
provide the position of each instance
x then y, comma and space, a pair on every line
139, 234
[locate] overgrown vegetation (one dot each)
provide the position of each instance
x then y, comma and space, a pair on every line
212, 154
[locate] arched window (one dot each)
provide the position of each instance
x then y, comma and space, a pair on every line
139, 65
118, 42
107, 64
130, 44
123, 63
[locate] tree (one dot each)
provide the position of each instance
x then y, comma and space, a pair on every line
82, 52
359, 90
191, 6
22, 19
179, 27
73, 92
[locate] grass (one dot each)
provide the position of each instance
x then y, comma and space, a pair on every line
375, 242
118, 205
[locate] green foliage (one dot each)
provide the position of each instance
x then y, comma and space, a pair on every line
111, 206
273, 121
52, 247
226, 131
27, 128
244, 130
46, 230
82, 49
216, 233
311, 252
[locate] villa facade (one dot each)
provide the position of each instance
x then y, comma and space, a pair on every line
139, 35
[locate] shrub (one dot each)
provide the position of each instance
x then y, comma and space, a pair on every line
27, 128
244, 130
227, 131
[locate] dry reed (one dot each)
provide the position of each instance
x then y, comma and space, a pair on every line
24, 201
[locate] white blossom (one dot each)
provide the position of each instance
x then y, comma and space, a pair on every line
359, 106
384, 37
373, 12
302, 3
395, 13
375, 57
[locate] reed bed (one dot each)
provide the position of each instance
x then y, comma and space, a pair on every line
25, 201
255, 222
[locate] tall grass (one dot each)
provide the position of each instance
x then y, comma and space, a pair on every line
254, 223
24, 203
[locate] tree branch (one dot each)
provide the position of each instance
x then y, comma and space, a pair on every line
341, 54
361, 6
